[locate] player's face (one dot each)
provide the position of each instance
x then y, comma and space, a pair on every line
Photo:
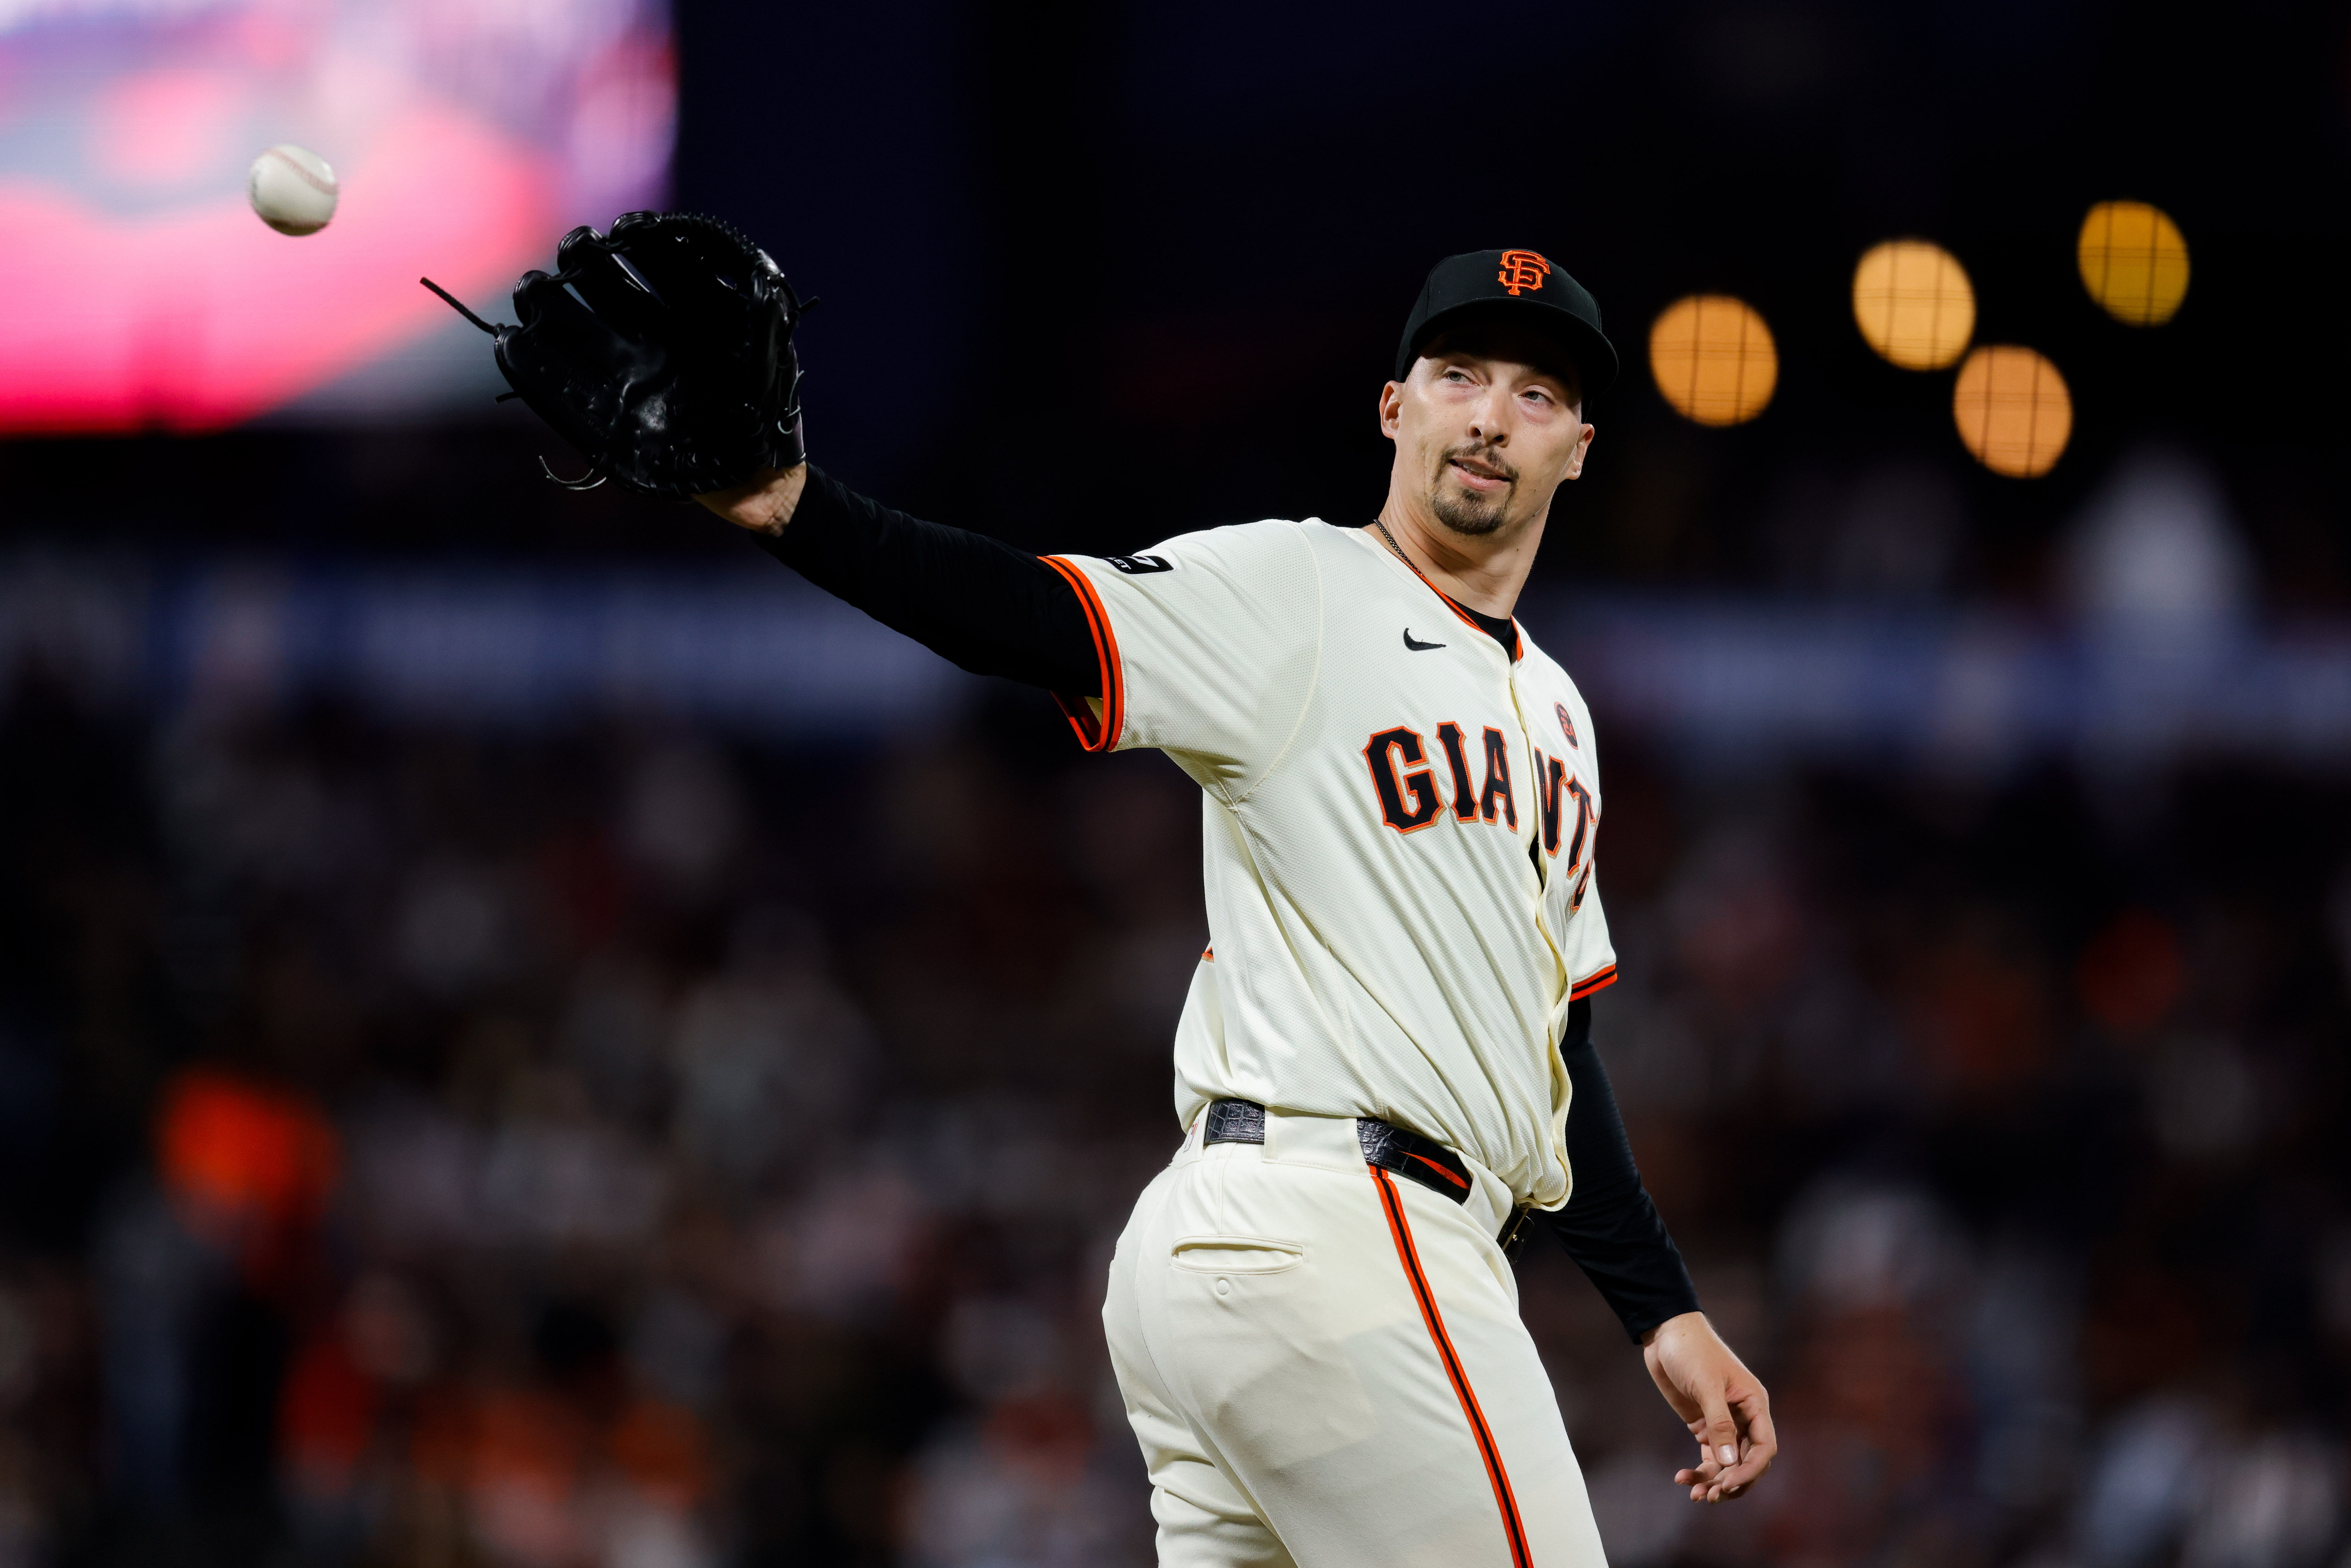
1485, 431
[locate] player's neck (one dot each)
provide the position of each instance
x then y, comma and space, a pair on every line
1485, 572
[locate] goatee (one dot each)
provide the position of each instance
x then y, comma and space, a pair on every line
1474, 516
1468, 512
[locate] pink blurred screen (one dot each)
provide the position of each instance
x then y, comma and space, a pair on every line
138, 289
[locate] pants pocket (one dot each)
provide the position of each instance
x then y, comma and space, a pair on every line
1236, 1254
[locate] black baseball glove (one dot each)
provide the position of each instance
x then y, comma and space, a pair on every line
662, 350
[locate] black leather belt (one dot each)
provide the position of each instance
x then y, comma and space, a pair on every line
1407, 1154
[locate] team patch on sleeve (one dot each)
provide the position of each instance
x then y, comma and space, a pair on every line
1139, 565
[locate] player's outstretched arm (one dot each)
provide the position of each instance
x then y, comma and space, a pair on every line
1726, 1407
992, 608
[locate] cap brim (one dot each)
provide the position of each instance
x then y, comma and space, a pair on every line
1595, 356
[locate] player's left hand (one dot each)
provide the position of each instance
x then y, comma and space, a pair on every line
1726, 1407
662, 351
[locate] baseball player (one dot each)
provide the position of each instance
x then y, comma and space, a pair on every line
1384, 1069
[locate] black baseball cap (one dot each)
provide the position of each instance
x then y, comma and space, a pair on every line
1523, 285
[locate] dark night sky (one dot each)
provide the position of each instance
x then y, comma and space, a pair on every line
1095, 273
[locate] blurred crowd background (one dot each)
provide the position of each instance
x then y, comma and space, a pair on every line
528, 1039
641, 1145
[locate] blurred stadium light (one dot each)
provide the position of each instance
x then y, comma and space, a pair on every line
2012, 410
2133, 262
1713, 359
1914, 304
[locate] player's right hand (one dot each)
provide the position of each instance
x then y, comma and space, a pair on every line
1725, 1405
763, 503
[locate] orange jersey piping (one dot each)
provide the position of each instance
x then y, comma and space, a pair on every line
1513, 1530
1095, 735
1598, 982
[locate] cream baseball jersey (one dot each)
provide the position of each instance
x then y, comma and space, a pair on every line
1400, 821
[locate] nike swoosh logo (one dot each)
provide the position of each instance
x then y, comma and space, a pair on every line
1419, 647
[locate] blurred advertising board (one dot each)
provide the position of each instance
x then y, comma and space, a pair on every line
139, 290
1724, 683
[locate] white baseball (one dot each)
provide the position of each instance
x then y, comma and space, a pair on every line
292, 189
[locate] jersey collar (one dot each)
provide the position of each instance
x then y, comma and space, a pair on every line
1515, 646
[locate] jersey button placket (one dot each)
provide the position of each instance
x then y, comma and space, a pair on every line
1527, 753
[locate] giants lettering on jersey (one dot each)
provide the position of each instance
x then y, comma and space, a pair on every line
1554, 779
1404, 779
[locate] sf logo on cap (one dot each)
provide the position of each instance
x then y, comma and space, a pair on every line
1522, 270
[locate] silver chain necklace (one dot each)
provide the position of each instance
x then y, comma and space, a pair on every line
1414, 570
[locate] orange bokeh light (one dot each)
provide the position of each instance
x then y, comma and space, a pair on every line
2012, 410
2133, 262
1714, 359
1913, 302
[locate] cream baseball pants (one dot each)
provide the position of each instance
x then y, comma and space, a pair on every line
1325, 1367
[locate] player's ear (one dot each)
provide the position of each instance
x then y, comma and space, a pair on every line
1583, 448
1391, 409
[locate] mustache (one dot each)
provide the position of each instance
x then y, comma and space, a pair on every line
1483, 455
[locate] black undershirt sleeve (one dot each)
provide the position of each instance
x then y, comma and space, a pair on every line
974, 601
1610, 1226
998, 610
